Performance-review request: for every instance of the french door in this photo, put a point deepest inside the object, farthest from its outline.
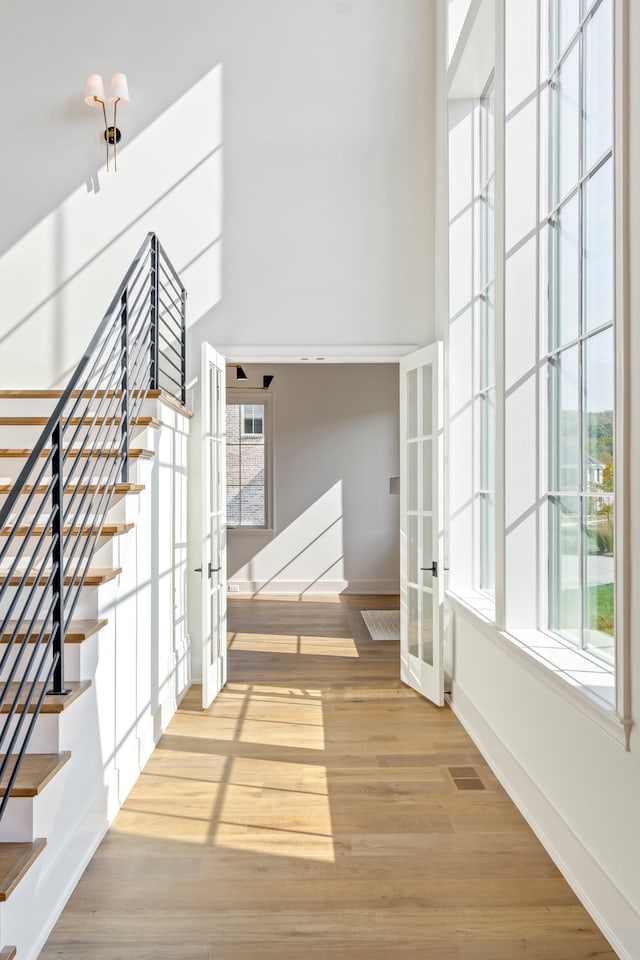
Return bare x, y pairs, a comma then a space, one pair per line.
213, 569
421, 527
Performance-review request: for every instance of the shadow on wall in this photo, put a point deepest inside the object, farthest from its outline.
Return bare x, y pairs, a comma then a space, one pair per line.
310, 549
59, 278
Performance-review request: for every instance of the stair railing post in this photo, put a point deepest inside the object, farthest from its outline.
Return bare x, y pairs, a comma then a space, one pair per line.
124, 386
155, 312
183, 346
57, 505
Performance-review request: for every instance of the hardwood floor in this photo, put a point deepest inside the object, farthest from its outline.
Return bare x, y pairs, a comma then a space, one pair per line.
319, 809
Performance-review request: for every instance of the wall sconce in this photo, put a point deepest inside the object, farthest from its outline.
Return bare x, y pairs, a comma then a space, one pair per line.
241, 375
118, 93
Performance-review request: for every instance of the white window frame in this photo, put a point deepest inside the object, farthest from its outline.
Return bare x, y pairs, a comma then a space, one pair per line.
484, 379
519, 626
558, 348
239, 397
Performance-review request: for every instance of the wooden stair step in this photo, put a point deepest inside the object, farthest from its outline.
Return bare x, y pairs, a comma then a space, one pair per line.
78, 632
108, 530
15, 860
95, 577
36, 770
99, 394
51, 704
118, 488
76, 421
8, 953
135, 453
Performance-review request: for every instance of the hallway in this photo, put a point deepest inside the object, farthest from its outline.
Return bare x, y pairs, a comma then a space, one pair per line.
319, 808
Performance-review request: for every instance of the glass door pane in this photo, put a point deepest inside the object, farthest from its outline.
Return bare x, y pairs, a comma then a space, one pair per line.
422, 656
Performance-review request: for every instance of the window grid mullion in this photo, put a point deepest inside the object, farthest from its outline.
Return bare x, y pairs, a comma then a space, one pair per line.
581, 327
576, 188
556, 59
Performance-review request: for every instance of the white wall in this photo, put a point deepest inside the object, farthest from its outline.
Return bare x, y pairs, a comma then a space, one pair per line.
335, 446
573, 781
310, 122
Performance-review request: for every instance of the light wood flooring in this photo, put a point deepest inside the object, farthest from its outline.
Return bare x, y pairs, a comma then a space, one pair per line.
319, 809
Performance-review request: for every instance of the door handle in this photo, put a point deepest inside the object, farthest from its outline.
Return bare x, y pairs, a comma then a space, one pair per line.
433, 569
211, 569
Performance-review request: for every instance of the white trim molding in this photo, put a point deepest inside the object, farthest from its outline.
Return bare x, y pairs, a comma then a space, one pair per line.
614, 914
316, 353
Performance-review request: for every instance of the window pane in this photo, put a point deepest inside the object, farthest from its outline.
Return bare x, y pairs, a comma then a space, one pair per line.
565, 603
412, 403
427, 629
487, 339
487, 540
252, 505
246, 464
598, 247
427, 555
412, 626
598, 417
412, 476
598, 481
412, 549
598, 88
566, 423
233, 464
252, 418
565, 19
233, 505
427, 399
599, 593
487, 453
566, 285
566, 106
427, 475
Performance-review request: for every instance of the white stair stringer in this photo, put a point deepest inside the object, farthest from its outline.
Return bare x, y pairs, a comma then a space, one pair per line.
136, 673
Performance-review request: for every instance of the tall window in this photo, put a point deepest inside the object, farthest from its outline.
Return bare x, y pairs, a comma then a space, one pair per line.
581, 341
485, 392
246, 465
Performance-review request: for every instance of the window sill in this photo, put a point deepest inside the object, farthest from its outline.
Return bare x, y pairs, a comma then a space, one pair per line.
244, 530
577, 676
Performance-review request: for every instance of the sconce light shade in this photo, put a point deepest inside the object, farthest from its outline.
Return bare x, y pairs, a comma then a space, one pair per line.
266, 381
119, 89
95, 88
118, 93
240, 374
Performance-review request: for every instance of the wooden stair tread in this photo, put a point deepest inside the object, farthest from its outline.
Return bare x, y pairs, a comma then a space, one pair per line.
78, 632
36, 770
108, 530
50, 704
119, 488
8, 953
15, 860
135, 453
95, 577
56, 395
75, 421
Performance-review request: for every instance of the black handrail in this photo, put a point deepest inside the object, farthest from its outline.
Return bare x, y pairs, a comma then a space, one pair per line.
53, 516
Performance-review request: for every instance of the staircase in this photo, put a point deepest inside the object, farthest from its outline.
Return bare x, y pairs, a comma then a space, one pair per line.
93, 644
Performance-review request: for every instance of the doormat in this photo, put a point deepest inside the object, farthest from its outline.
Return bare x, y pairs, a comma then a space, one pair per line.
382, 624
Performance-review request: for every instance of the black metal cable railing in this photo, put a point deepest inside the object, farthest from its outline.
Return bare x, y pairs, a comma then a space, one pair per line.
51, 521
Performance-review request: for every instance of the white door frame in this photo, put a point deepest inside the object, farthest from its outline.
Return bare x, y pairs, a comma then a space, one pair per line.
213, 563
421, 522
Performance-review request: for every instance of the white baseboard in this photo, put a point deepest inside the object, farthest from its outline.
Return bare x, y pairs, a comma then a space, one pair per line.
607, 905
305, 588
41, 897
